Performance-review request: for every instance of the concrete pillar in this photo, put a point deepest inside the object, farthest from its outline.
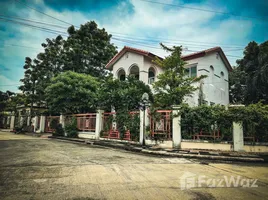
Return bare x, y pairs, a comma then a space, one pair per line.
176, 127
28, 120
62, 120
42, 124
238, 136
141, 126
35, 123
99, 124
12, 122
21, 120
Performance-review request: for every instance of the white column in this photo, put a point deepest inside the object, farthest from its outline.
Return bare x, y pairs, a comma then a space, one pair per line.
176, 127
99, 124
142, 126
29, 121
42, 124
62, 120
238, 136
35, 123
12, 122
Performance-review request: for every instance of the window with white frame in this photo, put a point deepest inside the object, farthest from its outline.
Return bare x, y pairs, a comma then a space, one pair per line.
192, 71
151, 75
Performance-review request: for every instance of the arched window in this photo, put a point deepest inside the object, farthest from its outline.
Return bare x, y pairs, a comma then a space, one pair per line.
222, 74
121, 75
211, 70
151, 75
135, 71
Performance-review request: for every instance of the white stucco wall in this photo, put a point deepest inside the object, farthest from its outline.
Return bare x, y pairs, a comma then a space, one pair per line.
129, 59
215, 87
126, 61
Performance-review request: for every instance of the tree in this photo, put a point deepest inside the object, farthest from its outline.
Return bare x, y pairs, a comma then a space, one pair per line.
71, 92
248, 82
86, 50
173, 84
122, 95
237, 83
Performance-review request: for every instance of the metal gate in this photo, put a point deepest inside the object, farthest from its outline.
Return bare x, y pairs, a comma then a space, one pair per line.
48, 127
110, 129
160, 124
86, 122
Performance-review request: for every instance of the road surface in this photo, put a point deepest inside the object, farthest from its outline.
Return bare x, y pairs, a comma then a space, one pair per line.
37, 168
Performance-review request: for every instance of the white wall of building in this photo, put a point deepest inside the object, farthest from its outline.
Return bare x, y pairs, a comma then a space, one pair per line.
215, 86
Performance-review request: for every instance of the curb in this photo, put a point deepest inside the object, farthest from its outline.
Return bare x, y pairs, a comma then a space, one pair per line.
161, 153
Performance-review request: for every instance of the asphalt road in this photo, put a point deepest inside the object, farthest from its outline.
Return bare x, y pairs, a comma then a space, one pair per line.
36, 168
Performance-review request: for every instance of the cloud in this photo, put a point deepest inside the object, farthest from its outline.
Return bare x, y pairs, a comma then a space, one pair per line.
8, 84
130, 20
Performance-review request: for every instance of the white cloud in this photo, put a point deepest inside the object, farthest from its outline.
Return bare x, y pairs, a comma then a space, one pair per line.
147, 20
8, 84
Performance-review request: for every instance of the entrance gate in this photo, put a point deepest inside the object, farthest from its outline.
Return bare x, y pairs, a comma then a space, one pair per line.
160, 124
48, 127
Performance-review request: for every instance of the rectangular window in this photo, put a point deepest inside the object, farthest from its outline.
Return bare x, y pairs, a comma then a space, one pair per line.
191, 71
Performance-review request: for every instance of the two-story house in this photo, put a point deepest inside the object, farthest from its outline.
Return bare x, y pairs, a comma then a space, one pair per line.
211, 62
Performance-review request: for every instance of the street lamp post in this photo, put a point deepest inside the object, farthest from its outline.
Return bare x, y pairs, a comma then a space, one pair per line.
144, 103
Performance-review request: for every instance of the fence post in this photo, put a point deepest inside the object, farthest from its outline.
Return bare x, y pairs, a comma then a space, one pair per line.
35, 123
12, 122
99, 124
141, 126
176, 127
62, 120
42, 124
238, 136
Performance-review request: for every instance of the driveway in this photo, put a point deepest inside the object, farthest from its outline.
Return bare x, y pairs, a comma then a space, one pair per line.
39, 168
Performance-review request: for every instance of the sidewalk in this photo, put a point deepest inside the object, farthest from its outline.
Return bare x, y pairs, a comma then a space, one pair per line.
194, 154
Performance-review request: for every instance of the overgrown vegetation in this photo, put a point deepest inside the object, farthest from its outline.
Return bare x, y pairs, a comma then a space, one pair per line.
213, 118
71, 128
248, 81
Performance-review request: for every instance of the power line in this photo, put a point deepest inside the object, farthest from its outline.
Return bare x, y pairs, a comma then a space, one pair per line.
27, 5
16, 45
128, 36
36, 27
11, 85
201, 9
137, 42
32, 21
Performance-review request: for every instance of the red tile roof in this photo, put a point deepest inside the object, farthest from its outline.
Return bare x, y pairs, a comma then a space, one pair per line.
130, 49
207, 51
185, 58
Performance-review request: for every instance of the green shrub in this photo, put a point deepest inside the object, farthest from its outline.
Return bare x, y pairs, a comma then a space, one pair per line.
59, 131
53, 123
210, 118
71, 128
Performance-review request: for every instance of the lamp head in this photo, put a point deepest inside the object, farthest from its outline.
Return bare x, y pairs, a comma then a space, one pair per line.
145, 97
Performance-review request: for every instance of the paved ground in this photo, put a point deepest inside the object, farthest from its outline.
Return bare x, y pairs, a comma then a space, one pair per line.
35, 168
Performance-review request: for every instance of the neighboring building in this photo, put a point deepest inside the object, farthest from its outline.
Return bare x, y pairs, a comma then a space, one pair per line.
211, 62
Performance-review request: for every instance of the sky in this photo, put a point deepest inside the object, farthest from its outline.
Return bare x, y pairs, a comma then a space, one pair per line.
194, 24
